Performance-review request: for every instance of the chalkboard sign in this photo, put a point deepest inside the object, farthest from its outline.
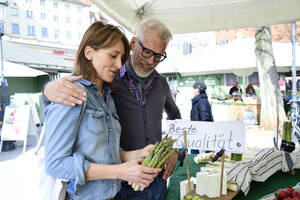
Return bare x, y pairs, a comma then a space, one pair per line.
210, 136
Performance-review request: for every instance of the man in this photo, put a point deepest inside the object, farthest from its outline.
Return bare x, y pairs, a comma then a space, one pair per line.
235, 89
201, 110
141, 96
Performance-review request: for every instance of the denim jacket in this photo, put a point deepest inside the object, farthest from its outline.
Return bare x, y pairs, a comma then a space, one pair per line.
68, 152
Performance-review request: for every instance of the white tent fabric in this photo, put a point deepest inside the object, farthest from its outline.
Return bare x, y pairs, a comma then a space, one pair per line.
19, 70
236, 57
185, 16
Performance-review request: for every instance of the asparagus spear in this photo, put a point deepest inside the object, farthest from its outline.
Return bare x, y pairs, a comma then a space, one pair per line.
160, 152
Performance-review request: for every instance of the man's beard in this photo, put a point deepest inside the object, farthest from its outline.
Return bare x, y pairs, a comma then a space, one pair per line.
140, 72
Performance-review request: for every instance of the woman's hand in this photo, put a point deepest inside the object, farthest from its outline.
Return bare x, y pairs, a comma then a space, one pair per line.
140, 153
146, 150
133, 172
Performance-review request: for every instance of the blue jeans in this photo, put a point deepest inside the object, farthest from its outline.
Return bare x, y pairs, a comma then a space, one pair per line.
156, 191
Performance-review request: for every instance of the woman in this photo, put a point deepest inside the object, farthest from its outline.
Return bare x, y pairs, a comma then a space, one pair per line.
90, 157
250, 90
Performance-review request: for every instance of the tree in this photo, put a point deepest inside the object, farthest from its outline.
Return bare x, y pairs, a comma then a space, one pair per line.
272, 110
283, 32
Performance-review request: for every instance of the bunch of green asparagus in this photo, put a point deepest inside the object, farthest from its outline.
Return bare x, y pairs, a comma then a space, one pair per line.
286, 135
236, 156
157, 156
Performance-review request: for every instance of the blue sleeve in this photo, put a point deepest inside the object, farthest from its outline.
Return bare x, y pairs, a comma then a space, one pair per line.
45, 100
60, 160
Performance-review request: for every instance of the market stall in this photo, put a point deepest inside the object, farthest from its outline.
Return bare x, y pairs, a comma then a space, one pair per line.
230, 161
257, 189
246, 111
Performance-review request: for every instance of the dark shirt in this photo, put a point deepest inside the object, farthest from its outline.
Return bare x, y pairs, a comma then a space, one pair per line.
235, 89
141, 123
201, 110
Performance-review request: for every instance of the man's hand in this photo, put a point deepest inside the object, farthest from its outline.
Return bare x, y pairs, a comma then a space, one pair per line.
169, 164
65, 92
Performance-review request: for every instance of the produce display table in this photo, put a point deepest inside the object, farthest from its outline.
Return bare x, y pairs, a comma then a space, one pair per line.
257, 189
235, 112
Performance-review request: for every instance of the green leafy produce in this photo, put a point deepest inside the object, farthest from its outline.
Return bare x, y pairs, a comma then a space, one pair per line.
189, 197
287, 127
196, 198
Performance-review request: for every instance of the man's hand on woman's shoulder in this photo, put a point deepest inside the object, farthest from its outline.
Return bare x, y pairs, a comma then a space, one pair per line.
65, 92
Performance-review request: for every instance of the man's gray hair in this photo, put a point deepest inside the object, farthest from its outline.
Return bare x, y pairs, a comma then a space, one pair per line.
162, 31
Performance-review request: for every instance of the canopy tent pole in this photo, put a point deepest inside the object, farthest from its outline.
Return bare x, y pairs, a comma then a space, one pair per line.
294, 81
294, 107
244, 81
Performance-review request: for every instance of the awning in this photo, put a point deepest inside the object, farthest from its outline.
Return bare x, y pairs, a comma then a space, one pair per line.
236, 57
186, 16
20, 70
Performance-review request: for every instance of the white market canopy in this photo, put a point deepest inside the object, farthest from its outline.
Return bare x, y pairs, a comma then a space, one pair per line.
236, 57
186, 16
19, 70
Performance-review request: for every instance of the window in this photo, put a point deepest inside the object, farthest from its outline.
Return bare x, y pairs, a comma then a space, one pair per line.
28, 1
253, 78
31, 30
67, 7
223, 42
43, 16
230, 79
42, 2
68, 20
78, 21
14, 11
55, 5
187, 48
69, 35
44, 32
15, 28
79, 9
55, 18
29, 14
79, 35
56, 34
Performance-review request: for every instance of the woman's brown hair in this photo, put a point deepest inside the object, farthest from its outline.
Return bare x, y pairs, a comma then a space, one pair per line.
98, 36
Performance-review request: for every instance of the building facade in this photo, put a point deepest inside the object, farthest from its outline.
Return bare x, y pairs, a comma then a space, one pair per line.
51, 26
280, 33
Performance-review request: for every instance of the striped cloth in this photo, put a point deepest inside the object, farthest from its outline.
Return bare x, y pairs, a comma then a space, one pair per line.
296, 131
268, 161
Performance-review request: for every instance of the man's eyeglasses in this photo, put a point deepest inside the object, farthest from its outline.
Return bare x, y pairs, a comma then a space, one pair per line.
147, 53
